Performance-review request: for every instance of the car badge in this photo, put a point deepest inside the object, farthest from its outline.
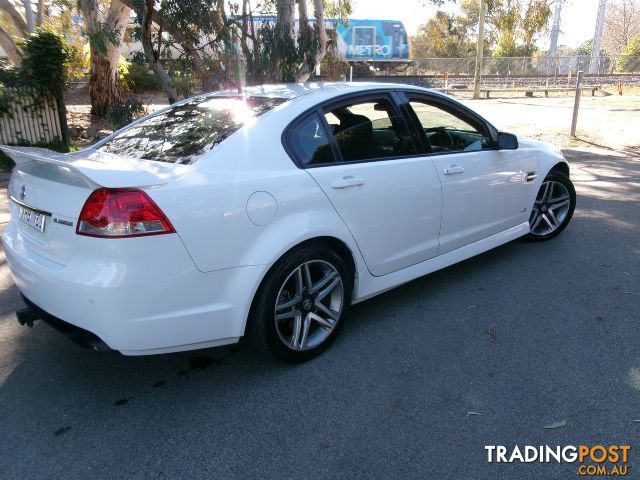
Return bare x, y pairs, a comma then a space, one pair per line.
23, 192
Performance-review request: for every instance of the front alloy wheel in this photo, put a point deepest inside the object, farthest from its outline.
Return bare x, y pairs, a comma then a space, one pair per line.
553, 207
299, 308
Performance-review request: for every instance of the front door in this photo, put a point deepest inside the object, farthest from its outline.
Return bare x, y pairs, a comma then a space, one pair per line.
482, 188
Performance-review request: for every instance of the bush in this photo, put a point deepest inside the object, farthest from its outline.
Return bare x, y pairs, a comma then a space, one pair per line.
629, 61
139, 79
6, 163
125, 113
184, 84
44, 61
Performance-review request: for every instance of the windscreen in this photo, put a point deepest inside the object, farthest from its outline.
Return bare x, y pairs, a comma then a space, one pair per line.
185, 132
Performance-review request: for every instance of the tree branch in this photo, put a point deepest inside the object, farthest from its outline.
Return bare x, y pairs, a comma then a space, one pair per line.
9, 47
8, 8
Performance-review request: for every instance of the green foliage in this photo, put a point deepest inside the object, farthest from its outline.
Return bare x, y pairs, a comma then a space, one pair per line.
56, 145
9, 75
6, 163
442, 36
138, 78
584, 49
279, 57
125, 113
513, 24
630, 59
63, 24
102, 36
44, 62
184, 82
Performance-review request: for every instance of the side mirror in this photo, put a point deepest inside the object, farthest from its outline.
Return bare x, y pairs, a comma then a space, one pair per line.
507, 141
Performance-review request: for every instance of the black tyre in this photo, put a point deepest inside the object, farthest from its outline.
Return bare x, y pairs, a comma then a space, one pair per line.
553, 207
301, 304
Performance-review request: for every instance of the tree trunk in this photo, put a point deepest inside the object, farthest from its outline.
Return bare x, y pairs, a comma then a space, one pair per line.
28, 13
104, 88
150, 54
305, 72
9, 47
206, 78
9, 9
40, 13
286, 18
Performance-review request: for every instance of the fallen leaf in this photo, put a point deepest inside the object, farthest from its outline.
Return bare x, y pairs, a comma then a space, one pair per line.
492, 333
560, 424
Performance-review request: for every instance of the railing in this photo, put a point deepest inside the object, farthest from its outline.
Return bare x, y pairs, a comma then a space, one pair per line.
31, 118
530, 66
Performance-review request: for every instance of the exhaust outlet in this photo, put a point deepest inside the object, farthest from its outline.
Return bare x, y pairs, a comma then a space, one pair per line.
27, 316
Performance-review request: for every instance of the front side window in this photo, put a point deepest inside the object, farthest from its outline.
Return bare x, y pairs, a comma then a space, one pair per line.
447, 132
369, 130
185, 132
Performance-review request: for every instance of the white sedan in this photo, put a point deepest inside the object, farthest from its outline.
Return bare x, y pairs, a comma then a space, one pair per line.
267, 214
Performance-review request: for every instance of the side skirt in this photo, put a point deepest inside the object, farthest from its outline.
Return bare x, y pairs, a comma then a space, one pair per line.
369, 286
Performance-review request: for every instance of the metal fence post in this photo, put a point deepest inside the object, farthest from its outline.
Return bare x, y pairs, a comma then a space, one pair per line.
576, 104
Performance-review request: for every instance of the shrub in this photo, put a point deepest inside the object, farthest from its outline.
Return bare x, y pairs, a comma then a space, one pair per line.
5, 162
184, 84
629, 60
139, 79
44, 61
125, 113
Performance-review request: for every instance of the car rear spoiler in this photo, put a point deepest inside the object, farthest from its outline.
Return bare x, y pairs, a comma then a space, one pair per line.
95, 168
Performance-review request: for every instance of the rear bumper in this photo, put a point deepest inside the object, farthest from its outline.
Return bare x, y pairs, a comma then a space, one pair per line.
138, 296
79, 336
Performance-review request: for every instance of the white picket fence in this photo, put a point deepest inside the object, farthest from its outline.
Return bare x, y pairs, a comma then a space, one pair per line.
31, 118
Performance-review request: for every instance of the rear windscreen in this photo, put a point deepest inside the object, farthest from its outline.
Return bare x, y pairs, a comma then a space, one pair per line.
185, 132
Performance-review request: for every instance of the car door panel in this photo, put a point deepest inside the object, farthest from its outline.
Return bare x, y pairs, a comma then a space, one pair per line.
482, 195
392, 208
482, 188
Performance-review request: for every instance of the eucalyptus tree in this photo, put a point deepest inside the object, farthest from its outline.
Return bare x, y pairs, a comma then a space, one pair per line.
17, 20
513, 23
105, 25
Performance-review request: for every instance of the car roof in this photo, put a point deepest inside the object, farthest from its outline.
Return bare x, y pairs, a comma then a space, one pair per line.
325, 90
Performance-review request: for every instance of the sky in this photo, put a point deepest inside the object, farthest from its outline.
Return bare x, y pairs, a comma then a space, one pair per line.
578, 17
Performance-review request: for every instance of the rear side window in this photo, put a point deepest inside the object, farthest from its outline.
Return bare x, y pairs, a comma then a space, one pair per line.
184, 133
369, 130
309, 142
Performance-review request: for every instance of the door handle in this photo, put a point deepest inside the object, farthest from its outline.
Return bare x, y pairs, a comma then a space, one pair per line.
347, 182
453, 169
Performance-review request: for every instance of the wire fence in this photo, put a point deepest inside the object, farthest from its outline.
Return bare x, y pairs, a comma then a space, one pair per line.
529, 66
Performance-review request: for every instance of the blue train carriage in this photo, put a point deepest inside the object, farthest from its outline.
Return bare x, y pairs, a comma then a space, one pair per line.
373, 41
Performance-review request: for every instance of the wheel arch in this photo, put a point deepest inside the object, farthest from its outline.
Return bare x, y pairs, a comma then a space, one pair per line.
562, 167
334, 243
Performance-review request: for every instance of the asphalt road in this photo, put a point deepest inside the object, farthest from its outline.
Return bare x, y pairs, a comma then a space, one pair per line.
486, 352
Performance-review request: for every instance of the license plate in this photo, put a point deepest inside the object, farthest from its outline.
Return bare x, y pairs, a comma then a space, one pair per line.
32, 218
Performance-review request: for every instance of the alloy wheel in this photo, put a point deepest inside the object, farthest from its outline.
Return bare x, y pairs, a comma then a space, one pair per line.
550, 208
309, 305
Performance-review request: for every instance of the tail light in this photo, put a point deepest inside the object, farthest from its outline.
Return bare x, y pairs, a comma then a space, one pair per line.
121, 212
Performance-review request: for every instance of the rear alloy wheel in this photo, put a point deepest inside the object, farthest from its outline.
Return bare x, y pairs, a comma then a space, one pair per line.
553, 207
301, 304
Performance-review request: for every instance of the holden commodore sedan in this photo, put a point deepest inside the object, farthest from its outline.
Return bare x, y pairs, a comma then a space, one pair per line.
267, 214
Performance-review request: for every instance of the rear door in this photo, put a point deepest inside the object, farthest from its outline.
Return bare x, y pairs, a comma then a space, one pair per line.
361, 155
482, 188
